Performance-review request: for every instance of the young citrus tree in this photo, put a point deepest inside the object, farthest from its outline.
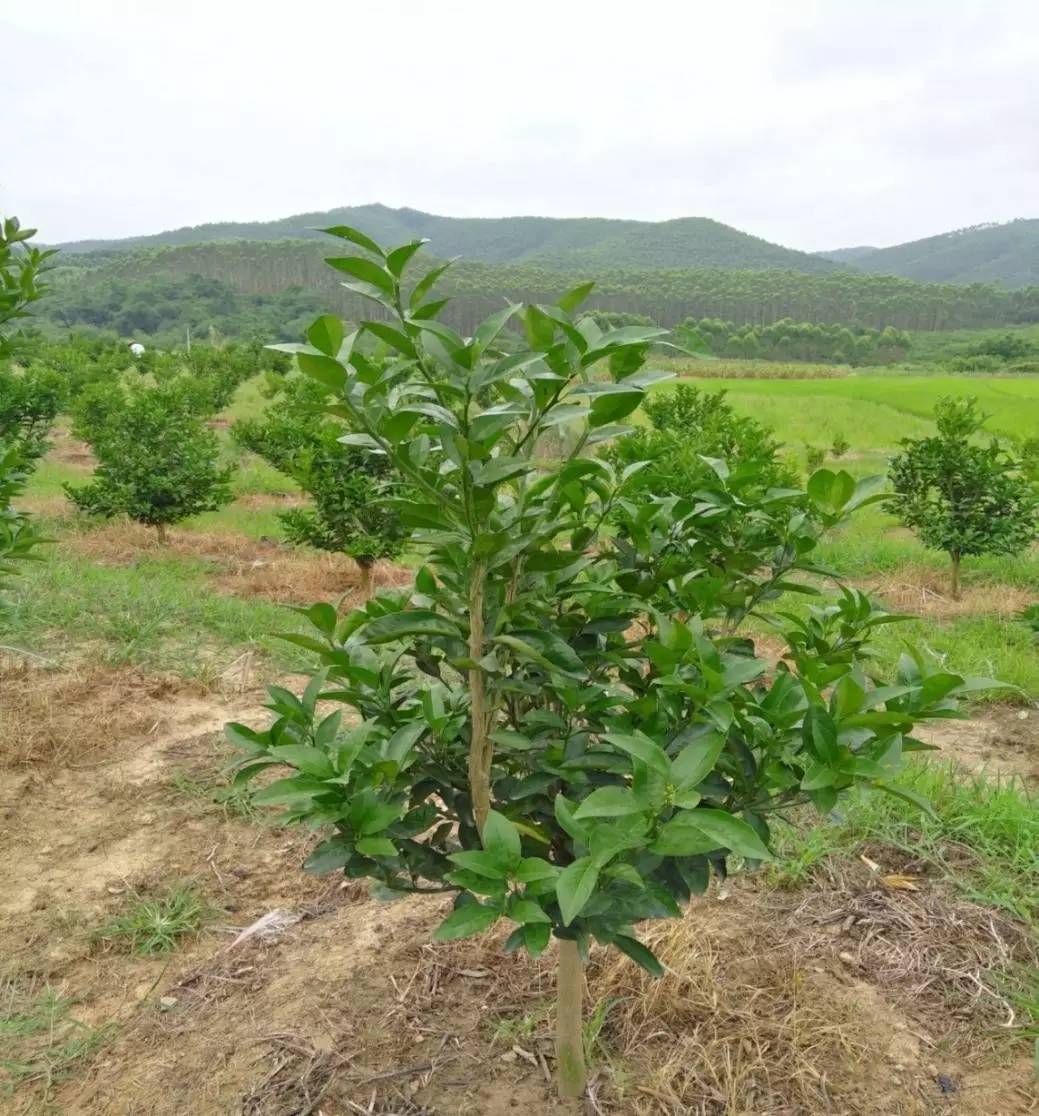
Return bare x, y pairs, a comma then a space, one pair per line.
347, 484
22, 413
961, 496
157, 461
534, 727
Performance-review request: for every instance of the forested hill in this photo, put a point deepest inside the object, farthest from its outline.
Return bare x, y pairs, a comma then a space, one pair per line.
1007, 253
119, 295
568, 243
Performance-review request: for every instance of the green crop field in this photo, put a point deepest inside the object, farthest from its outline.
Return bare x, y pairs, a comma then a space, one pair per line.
873, 412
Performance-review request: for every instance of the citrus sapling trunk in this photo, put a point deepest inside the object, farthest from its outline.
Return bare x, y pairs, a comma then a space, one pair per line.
570, 1065
366, 568
160, 531
480, 746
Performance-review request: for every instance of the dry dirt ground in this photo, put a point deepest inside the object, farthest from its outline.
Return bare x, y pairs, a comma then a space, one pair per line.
854, 998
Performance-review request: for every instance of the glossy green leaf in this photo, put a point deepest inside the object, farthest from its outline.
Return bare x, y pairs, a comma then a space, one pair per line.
575, 886
466, 920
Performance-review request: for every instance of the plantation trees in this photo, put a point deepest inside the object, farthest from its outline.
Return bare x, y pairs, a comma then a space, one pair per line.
348, 484
157, 461
535, 727
961, 496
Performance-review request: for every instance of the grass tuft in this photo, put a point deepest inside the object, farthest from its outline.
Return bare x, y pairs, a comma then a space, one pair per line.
153, 927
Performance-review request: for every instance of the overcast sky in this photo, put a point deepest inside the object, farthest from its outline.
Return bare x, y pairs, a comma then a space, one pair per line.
814, 123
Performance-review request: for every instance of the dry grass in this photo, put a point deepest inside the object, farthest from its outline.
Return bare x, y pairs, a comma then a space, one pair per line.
73, 717
738, 1024
924, 592
860, 998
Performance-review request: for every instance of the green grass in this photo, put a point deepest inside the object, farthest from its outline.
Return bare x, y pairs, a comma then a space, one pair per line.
874, 411
982, 837
39, 1042
160, 614
232, 800
154, 927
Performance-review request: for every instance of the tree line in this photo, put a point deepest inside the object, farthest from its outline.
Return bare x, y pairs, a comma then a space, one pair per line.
667, 296
789, 340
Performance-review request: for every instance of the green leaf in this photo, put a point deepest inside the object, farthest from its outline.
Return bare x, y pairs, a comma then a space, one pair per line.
696, 761
610, 802
681, 836
565, 816
326, 334
526, 910
365, 270
725, 830
397, 260
613, 406
642, 748
287, 792
533, 868
466, 920
410, 622
481, 862
639, 953
328, 856
311, 761
820, 736
376, 846
536, 936
830, 491
355, 236
573, 298
392, 337
425, 284
575, 886
501, 839
323, 369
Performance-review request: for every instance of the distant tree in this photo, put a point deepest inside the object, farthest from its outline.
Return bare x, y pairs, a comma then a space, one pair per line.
962, 496
347, 484
158, 462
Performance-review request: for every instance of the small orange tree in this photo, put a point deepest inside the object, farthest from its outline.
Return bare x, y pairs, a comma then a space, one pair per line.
547, 724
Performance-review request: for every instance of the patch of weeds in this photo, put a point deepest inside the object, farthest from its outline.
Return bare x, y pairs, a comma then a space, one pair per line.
234, 801
39, 1043
982, 836
151, 927
514, 1028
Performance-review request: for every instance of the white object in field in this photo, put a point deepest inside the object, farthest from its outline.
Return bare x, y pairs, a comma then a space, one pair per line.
136, 348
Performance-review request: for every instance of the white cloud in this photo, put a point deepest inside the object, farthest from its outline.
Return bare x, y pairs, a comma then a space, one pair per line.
812, 122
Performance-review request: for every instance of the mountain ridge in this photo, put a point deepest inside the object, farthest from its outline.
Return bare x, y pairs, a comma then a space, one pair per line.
569, 243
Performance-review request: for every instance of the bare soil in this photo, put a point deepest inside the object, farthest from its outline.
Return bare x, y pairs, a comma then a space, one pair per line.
1000, 740
775, 1003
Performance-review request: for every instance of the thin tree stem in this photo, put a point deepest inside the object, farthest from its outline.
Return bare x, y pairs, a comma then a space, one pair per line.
570, 1067
480, 747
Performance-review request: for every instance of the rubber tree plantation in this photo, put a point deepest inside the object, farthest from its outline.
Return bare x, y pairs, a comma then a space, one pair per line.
540, 726
961, 496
